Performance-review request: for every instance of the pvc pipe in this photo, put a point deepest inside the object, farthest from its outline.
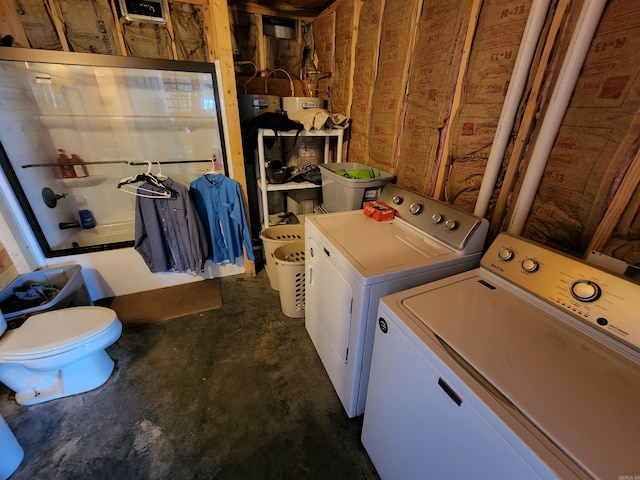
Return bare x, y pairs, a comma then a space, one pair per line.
574, 59
521, 71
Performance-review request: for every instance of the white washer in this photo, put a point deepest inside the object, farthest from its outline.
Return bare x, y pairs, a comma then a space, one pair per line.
526, 367
352, 260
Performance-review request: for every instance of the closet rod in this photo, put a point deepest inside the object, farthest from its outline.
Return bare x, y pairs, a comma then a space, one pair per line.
123, 162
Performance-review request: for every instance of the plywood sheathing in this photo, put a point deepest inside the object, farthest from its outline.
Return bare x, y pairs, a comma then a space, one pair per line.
433, 71
597, 132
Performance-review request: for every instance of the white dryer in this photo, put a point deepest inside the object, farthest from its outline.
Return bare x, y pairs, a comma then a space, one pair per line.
352, 260
527, 367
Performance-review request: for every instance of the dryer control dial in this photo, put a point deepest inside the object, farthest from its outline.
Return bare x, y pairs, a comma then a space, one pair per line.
451, 224
530, 265
437, 218
397, 199
505, 254
415, 208
585, 290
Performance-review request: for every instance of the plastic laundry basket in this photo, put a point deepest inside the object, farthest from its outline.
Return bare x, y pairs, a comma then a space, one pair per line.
274, 237
289, 264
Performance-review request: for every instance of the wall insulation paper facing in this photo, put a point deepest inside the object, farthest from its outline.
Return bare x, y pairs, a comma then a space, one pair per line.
433, 71
493, 54
398, 29
147, 40
341, 78
38, 26
596, 137
188, 27
365, 59
89, 26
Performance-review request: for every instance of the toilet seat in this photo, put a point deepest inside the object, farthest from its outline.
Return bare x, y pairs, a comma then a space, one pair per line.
54, 332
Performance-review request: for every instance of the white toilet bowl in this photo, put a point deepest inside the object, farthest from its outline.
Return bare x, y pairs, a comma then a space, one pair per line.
11, 453
58, 353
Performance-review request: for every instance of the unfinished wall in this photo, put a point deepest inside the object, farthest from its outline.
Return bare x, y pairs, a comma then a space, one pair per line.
408, 117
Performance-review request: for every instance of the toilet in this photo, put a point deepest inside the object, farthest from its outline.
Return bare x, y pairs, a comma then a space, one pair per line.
58, 353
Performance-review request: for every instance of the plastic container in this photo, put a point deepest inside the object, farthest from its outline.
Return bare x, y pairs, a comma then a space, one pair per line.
341, 193
69, 281
289, 263
65, 169
11, 453
274, 237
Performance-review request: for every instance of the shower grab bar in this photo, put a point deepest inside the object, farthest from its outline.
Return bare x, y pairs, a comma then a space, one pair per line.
108, 162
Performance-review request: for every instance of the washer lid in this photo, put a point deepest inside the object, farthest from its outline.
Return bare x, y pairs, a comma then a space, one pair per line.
54, 332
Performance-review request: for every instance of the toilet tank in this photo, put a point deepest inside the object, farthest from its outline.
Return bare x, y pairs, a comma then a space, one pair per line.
67, 279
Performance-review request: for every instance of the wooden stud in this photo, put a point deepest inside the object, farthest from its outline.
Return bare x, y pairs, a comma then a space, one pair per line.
172, 36
218, 33
119, 34
445, 161
10, 24
56, 15
614, 212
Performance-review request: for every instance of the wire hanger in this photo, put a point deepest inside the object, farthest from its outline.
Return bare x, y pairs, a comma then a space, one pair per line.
159, 175
126, 185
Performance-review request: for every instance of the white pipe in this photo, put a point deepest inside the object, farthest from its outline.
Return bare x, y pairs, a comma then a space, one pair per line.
565, 85
521, 71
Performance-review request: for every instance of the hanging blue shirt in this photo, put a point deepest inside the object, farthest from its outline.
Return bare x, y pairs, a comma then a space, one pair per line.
218, 201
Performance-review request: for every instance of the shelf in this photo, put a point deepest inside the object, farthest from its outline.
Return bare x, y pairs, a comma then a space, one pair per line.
281, 187
265, 187
88, 181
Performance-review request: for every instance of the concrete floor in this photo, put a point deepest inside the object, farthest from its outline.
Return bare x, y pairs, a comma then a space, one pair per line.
233, 393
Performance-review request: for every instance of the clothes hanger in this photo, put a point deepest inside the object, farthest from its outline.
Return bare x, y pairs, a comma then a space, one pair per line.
145, 192
164, 192
159, 175
213, 167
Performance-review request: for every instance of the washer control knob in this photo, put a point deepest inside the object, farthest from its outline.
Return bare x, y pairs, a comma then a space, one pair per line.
585, 290
437, 218
415, 208
530, 265
451, 224
397, 199
505, 254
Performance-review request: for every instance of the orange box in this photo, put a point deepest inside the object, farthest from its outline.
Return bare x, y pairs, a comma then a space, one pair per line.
379, 211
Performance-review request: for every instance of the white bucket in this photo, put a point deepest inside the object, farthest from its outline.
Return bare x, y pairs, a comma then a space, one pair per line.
295, 104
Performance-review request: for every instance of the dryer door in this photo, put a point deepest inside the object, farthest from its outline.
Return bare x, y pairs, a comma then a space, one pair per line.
329, 299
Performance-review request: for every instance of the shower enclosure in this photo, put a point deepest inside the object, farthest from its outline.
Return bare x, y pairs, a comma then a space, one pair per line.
74, 126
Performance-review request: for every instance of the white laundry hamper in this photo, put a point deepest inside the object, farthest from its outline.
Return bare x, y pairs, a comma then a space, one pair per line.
289, 264
274, 237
